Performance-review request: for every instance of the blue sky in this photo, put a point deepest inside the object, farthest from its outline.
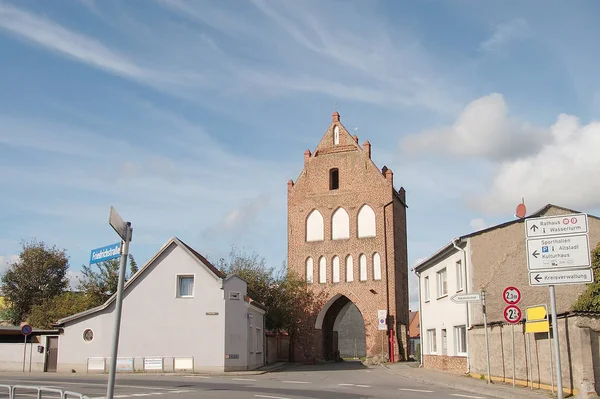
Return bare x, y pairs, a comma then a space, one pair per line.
191, 116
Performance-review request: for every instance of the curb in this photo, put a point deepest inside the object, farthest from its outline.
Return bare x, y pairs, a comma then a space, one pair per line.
484, 390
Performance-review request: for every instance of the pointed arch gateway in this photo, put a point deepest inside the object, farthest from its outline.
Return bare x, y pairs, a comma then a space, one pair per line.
343, 329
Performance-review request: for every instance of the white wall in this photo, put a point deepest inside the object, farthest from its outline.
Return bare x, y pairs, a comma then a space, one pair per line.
256, 346
442, 313
236, 332
11, 356
154, 321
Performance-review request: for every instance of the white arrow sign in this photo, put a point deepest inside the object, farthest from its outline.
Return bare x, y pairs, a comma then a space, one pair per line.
556, 225
561, 277
566, 252
462, 298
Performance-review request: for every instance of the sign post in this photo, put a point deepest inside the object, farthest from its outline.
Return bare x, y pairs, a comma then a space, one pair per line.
25, 330
512, 296
558, 253
487, 343
124, 231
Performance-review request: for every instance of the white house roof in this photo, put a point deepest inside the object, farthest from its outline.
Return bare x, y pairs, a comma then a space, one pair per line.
174, 240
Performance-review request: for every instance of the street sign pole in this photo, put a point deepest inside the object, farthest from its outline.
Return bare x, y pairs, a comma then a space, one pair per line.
487, 345
559, 383
125, 231
513, 352
25, 330
24, 352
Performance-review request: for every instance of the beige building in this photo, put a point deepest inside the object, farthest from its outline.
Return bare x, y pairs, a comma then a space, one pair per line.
490, 260
347, 236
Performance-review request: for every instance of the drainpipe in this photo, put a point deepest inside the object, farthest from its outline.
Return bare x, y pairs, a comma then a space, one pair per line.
387, 286
420, 317
454, 241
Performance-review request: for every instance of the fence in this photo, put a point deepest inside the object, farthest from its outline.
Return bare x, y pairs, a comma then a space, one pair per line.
40, 390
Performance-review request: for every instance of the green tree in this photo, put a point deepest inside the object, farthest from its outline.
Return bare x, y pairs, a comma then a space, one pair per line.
58, 307
100, 285
590, 299
39, 273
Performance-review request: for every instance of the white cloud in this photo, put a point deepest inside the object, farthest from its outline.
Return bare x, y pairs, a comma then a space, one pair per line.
483, 130
478, 224
564, 171
505, 33
6, 262
240, 218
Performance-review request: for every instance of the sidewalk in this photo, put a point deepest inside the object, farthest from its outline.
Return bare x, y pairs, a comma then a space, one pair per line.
465, 383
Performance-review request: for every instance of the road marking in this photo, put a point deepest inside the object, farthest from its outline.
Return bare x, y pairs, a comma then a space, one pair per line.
196, 376
243, 379
414, 390
466, 396
270, 397
141, 394
182, 391
296, 382
363, 386
346, 385
155, 393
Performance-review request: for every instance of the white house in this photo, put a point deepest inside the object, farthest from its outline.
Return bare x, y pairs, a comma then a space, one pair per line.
179, 313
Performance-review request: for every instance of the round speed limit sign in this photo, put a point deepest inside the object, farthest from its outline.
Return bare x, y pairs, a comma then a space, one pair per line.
512, 314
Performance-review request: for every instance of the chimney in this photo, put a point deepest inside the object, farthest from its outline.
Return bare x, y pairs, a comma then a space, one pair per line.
307, 155
335, 117
355, 137
367, 147
389, 175
290, 184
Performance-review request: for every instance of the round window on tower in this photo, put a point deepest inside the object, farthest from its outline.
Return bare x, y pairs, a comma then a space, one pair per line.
88, 335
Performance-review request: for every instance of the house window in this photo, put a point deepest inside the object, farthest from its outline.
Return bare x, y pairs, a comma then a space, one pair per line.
235, 296
340, 225
376, 266
322, 270
185, 286
334, 179
444, 342
366, 222
259, 340
460, 340
362, 263
309, 270
315, 226
459, 276
431, 341
336, 135
336, 269
88, 335
349, 268
426, 288
442, 283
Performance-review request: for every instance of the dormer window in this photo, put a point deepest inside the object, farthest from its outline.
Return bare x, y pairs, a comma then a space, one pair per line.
336, 135
334, 179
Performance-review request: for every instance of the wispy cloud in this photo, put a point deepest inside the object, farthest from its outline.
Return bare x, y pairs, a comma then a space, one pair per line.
505, 33
6, 262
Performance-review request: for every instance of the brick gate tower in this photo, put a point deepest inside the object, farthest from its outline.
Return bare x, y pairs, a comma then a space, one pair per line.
347, 237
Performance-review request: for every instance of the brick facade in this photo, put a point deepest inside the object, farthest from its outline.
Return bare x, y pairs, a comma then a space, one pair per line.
453, 364
360, 183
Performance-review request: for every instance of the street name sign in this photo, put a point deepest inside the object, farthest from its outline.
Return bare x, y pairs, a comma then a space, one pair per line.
512, 314
117, 223
561, 277
511, 295
560, 252
556, 225
108, 252
463, 298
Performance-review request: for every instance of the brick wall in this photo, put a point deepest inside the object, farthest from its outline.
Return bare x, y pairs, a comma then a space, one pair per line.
453, 364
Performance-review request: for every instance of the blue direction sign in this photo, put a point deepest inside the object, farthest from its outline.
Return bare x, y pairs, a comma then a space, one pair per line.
105, 253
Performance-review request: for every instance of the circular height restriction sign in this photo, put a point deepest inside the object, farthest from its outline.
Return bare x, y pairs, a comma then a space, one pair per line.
512, 314
511, 295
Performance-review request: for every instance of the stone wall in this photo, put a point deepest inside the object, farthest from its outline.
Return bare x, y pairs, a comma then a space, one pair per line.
453, 364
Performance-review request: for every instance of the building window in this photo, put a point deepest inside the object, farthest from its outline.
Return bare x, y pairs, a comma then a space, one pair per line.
322, 270
315, 226
349, 268
336, 269
334, 179
185, 286
459, 276
376, 266
432, 341
88, 335
336, 135
340, 225
362, 263
259, 340
460, 339
309, 270
426, 288
234, 296
366, 222
444, 342
442, 283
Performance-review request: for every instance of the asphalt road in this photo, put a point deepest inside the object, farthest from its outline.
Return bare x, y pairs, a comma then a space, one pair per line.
338, 381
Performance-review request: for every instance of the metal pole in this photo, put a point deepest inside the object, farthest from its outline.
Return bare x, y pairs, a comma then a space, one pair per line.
487, 345
30, 353
559, 383
24, 352
551, 362
118, 307
530, 365
514, 366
